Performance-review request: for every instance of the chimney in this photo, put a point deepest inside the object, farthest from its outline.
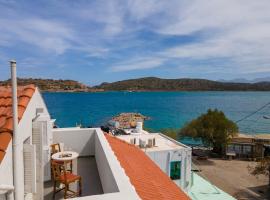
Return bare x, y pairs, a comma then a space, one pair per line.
16, 152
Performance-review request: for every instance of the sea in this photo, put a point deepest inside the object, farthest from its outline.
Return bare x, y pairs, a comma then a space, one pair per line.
165, 109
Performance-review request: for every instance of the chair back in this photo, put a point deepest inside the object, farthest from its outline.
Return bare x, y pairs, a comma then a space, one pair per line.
58, 169
55, 148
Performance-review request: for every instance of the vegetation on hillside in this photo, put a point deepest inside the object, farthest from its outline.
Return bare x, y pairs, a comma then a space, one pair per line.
143, 84
51, 85
214, 128
158, 84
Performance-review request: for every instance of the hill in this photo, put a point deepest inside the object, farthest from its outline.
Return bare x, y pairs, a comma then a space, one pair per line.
185, 84
52, 85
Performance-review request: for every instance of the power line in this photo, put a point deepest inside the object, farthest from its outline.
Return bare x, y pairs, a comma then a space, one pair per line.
249, 115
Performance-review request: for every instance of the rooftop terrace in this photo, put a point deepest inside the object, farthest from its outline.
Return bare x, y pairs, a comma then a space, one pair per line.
162, 143
102, 176
113, 169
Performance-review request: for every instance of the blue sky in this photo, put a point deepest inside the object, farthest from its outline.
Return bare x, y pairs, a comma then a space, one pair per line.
104, 41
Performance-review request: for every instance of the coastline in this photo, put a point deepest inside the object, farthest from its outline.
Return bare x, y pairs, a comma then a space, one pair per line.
138, 91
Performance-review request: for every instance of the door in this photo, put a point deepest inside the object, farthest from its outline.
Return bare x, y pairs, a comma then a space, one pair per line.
175, 170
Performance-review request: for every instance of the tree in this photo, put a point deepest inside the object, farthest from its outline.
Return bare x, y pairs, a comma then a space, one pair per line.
262, 167
170, 132
214, 129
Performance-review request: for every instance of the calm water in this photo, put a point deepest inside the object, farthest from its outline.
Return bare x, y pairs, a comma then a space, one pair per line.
166, 109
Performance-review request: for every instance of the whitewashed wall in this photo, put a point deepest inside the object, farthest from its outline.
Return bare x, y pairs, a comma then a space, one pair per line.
105, 172
163, 159
24, 132
79, 140
6, 173
25, 129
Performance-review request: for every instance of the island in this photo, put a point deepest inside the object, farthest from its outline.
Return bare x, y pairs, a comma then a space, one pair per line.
142, 84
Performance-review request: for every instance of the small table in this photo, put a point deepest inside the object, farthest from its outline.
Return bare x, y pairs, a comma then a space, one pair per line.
72, 156
59, 156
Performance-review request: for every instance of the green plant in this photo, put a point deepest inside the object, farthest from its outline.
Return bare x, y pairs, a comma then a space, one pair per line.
213, 127
171, 132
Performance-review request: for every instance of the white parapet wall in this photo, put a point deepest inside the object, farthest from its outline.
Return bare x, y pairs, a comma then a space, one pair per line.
80, 140
92, 142
163, 159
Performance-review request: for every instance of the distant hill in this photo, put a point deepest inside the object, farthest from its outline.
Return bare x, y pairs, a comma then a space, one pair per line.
143, 84
185, 84
52, 85
243, 80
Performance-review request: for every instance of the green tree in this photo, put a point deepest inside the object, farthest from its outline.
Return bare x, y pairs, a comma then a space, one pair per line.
213, 127
171, 132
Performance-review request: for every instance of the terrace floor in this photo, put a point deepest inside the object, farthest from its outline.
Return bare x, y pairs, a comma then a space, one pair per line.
91, 185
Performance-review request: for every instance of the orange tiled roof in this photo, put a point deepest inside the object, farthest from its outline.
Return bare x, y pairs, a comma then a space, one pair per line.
24, 95
148, 179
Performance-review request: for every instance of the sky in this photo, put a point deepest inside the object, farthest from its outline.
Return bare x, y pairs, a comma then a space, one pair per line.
104, 41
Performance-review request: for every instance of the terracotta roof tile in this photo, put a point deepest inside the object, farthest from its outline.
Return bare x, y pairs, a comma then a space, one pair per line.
2, 154
5, 137
148, 179
25, 93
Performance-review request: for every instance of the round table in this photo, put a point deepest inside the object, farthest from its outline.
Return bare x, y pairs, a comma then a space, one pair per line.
58, 156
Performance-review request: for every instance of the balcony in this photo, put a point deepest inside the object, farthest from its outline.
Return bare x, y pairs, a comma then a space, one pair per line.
91, 185
102, 175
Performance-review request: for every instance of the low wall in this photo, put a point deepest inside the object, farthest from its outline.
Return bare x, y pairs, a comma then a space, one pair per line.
107, 179
79, 140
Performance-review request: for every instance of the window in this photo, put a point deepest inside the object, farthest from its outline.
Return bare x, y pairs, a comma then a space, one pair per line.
230, 148
175, 172
246, 149
237, 148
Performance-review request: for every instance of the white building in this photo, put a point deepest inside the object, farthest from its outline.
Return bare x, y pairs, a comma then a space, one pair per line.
33, 117
110, 168
173, 158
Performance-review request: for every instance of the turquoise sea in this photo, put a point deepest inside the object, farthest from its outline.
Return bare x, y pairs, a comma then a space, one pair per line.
166, 109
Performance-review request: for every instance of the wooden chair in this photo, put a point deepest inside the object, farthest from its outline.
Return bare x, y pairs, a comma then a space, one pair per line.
61, 176
55, 148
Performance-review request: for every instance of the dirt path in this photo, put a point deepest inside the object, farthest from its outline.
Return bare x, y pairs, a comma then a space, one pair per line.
234, 178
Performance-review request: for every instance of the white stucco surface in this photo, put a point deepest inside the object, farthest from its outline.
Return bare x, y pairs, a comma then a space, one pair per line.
6, 173
91, 141
162, 143
165, 151
24, 132
79, 140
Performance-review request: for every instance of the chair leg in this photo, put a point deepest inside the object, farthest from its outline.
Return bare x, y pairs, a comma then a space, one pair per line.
80, 187
65, 194
71, 166
54, 189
